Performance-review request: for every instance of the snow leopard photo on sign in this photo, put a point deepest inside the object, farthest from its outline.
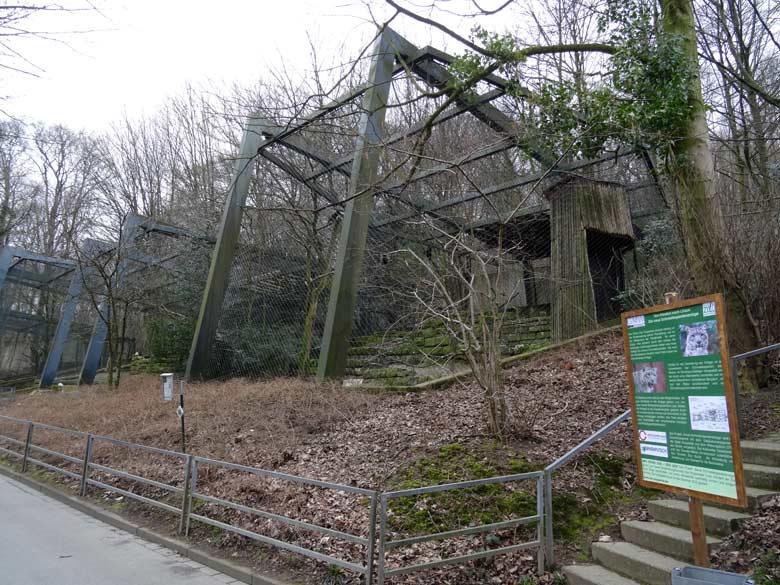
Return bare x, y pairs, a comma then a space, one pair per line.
649, 378
698, 339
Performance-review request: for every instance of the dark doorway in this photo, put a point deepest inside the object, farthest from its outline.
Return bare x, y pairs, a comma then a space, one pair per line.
605, 257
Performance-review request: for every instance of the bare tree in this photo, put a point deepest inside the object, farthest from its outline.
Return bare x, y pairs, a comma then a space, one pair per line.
65, 188
137, 164
15, 188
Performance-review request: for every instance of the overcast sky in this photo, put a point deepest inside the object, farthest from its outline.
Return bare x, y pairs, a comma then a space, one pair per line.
141, 51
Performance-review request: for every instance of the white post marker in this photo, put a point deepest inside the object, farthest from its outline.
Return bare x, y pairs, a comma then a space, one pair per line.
167, 386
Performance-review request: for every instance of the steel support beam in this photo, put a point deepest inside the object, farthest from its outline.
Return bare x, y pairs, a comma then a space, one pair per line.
438, 77
224, 250
35, 279
323, 192
557, 173
6, 257
357, 213
340, 163
150, 225
97, 340
35, 257
62, 332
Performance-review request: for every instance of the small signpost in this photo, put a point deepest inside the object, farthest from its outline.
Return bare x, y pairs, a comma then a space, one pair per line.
686, 434
167, 386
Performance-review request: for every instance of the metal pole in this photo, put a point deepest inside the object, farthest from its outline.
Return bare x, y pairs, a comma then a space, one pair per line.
85, 467
380, 574
181, 417
27, 444
357, 214
224, 250
371, 539
548, 520
6, 257
193, 485
186, 501
62, 332
735, 385
540, 524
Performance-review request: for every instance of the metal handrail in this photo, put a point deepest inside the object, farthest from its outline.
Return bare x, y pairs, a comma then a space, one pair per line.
137, 478
594, 438
549, 552
285, 476
366, 569
188, 491
136, 446
385, 544
755, 352
735, 376
443, 487
279, 518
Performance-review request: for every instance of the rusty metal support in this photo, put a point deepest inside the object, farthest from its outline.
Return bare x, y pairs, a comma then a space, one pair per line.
357, 213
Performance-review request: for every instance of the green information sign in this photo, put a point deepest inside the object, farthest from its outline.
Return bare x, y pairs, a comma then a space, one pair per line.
685, 424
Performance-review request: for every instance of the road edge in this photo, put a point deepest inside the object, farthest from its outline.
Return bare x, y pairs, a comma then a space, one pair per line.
238, 572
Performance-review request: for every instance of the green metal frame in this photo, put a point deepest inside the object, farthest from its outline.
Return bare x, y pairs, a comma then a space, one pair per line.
224, 251
391, 55
357, 214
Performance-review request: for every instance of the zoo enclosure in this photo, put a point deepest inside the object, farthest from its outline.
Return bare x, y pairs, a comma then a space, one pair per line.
300, 279
54, 312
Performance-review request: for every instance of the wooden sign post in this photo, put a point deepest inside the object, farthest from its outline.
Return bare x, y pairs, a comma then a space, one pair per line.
686, 436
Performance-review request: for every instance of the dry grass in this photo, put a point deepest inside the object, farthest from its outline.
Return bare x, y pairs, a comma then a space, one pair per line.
254, 423
346, 436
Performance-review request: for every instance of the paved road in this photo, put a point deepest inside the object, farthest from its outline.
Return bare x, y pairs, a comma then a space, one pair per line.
45, 542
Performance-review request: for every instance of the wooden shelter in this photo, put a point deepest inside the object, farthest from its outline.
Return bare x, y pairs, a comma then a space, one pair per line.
590, 231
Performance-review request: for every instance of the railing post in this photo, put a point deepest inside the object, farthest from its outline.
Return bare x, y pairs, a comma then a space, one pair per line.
186, 500
735, 384
27, 444
540, 524
371, 539
193, 484
548, 520
85, 467
380, 573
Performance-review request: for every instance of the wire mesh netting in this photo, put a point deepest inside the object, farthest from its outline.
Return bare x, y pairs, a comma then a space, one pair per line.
468, 227
31, 303
160, 283
145, 290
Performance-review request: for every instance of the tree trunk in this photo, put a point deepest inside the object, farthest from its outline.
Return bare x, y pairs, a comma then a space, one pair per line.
692, 173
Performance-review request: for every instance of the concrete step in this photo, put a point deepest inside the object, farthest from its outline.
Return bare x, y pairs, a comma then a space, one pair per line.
755, 497
717, 521
635, 562
762, 476
761, 453
662, 538
594, 575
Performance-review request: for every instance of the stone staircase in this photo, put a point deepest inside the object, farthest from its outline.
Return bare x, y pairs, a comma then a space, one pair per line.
650, 550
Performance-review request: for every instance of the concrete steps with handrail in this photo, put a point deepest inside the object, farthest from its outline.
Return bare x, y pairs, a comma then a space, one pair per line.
651, 549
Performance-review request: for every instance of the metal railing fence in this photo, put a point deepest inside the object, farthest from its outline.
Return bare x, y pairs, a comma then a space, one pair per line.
378, 502
385, 544
89, 466
549, 553
188, 490
366, 569
735, 359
